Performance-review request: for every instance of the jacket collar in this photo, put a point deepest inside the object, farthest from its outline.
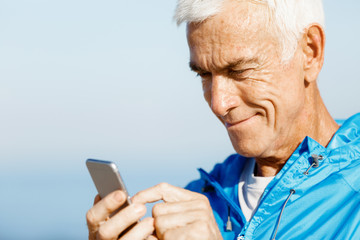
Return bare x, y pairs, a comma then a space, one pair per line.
225, 177
347, 133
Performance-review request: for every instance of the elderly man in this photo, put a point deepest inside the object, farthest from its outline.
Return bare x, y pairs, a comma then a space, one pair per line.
296, 174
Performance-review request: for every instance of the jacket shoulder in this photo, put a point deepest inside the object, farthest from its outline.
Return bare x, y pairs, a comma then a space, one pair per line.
350, 173
222, 173
345, 150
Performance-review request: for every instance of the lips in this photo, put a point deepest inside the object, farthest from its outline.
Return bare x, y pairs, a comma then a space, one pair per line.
233, 123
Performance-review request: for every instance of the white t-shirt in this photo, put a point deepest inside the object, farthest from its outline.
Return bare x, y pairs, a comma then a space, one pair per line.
251, 189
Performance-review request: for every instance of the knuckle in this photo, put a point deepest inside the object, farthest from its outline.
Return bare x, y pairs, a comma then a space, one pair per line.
132, 213
108, 201
110, 204
159, 222
157, 209
103, 234
90, 217
202, 197
202, 227
163, 185
202, 215
168, 235
204, 201
201, 202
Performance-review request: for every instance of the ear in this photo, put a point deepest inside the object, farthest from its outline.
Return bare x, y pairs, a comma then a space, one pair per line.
313, 50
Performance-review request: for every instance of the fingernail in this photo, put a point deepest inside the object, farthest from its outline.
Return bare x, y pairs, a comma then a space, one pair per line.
119, 197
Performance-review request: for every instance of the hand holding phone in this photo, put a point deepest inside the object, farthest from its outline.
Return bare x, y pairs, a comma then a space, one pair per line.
114, 217
106, 178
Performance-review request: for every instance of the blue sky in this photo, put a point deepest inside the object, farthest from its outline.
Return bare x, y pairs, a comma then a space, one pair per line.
110, 80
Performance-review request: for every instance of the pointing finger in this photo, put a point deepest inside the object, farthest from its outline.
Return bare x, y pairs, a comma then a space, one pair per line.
165, 192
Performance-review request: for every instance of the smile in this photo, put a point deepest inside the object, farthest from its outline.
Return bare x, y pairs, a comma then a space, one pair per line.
246, 120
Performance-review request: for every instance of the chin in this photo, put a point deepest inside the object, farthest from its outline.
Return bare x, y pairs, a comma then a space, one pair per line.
248, 150
248, 147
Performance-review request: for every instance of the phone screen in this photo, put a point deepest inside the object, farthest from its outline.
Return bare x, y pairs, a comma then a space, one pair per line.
106, 177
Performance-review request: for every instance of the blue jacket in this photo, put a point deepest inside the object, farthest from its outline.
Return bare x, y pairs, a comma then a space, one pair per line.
316, 202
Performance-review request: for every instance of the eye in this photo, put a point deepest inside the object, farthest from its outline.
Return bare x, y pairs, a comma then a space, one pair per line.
204, 74
240, 74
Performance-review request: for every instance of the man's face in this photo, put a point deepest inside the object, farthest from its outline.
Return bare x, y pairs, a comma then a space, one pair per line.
256, 97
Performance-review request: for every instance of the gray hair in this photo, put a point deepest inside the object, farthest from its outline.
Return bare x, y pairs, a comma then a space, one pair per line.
289, 18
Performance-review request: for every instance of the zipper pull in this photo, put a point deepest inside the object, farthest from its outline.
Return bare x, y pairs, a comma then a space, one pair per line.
240, 237
315, 162
228, 223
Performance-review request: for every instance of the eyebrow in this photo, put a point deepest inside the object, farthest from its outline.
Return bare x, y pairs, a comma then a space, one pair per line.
194, 67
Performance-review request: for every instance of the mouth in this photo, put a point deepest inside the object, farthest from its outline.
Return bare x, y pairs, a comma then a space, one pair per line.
236, 123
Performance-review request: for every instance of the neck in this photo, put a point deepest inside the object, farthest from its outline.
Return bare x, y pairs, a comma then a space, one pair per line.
315, 121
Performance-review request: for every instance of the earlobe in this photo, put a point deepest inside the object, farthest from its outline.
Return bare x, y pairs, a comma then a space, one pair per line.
313, 50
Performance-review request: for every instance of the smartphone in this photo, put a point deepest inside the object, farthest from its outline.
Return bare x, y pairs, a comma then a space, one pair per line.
107, 178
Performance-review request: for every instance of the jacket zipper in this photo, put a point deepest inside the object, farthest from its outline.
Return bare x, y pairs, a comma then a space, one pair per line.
241, 236
220, 191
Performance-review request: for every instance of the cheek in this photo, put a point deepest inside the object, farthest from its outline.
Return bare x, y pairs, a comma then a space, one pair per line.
293, 94
260, 95
292, 86
293, 103
280, 93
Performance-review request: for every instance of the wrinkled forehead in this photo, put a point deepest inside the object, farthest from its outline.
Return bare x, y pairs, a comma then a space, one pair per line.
244, 18
239, 25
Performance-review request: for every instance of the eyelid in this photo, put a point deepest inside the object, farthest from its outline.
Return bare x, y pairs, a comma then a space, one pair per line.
239, 72
203, 74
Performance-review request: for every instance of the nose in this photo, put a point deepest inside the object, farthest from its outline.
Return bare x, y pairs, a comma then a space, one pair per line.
224, 96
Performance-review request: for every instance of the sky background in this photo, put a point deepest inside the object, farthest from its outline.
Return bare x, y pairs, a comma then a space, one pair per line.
110, 80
